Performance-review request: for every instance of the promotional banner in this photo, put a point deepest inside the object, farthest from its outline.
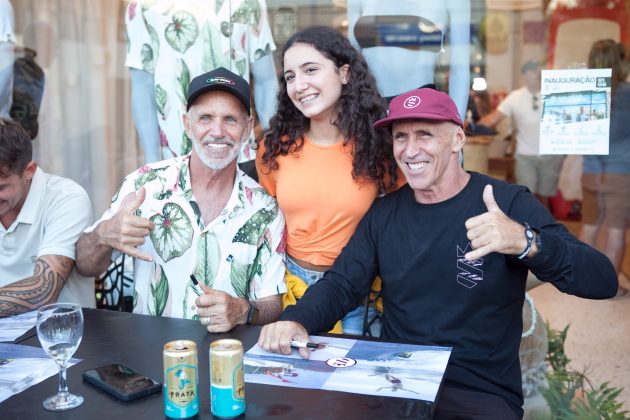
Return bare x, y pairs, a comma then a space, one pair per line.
576, 112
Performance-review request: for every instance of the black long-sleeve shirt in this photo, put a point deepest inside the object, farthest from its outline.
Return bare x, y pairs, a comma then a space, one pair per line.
432, 295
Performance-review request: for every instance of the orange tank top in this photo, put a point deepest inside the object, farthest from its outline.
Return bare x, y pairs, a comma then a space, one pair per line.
321, 202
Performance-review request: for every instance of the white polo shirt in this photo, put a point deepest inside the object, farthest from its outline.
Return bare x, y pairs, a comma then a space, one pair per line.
54, 214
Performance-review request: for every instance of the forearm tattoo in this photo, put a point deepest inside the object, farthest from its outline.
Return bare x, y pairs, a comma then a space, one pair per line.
33, 292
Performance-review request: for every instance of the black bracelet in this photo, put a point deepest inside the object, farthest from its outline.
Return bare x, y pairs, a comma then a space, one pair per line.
252, 314
529, 235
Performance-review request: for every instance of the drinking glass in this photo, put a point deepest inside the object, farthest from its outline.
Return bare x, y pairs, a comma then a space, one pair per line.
59, 329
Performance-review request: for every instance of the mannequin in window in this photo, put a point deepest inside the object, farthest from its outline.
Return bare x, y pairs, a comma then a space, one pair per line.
403, 61
7, 44
172, 41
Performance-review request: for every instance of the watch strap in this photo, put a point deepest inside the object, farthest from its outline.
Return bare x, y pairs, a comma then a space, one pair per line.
538, 239
252, 314
529, 236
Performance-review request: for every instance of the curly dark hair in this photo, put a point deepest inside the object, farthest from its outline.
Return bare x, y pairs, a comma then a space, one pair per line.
359, 106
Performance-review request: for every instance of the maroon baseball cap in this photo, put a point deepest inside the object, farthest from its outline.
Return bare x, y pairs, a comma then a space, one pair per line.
421, 104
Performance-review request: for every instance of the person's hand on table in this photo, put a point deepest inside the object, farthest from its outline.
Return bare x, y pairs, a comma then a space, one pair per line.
277, 337
219, 311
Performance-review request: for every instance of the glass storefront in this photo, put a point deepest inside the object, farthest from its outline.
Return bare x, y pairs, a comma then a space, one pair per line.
79, 104
75, 51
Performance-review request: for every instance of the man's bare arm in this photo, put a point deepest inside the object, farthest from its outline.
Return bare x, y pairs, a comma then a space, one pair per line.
493, 119
92, 258
124, 232
49, 276
269, 309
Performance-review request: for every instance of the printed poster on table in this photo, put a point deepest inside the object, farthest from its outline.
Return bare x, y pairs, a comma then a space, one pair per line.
24, 366
361, 367
576, 112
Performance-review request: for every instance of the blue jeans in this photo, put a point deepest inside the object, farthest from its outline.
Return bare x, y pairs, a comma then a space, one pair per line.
352, 323
144, 111
6, 78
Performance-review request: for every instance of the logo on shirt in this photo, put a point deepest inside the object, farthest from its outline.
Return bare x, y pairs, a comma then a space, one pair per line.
469, 273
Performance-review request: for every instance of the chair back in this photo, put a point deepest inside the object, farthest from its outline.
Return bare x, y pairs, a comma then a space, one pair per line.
111, 285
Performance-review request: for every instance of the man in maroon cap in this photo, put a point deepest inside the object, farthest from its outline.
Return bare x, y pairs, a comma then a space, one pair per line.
453, 249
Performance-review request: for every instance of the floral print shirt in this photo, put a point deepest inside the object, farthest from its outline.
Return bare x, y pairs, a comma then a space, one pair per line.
177, 40
241, 252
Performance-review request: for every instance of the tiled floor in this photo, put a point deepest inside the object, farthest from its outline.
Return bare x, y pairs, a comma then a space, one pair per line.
599, 335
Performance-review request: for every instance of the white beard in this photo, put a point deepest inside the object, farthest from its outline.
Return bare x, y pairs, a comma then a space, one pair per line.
216, 165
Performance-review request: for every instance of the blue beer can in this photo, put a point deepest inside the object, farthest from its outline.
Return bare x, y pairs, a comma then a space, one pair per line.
181, 381
227, 379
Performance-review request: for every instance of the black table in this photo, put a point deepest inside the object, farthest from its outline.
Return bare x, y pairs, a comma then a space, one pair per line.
137, 340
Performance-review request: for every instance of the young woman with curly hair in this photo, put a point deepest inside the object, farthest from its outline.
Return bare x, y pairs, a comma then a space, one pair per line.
322, 159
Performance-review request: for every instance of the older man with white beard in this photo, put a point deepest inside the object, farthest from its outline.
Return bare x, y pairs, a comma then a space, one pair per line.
204, 218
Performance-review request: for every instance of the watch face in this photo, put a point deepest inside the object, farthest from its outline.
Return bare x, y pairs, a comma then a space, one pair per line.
529, 234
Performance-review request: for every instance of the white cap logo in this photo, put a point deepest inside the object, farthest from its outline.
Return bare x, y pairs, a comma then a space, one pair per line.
411, 102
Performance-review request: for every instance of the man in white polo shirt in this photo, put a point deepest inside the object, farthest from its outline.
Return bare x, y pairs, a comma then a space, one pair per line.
41, 218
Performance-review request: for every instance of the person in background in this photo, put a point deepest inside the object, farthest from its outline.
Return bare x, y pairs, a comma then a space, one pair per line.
524, 108
7, 46
41, 218
453, 249
322, 159
198, 214
625, 64
606, 178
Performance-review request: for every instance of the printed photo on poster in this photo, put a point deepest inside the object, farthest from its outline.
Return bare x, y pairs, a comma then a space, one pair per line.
576, 112
363, 367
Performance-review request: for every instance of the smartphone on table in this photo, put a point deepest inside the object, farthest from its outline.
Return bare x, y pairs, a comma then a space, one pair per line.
121, 381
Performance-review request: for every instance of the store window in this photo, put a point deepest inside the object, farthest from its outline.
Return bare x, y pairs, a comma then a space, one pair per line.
75, 52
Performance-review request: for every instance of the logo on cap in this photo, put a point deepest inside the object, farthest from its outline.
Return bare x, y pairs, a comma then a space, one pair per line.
219, 79
411, 102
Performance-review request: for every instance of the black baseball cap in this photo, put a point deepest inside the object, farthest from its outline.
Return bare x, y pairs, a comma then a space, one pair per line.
219, 79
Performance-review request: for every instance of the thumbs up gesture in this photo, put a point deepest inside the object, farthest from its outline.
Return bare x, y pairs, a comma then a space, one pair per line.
126, 231
494, 231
